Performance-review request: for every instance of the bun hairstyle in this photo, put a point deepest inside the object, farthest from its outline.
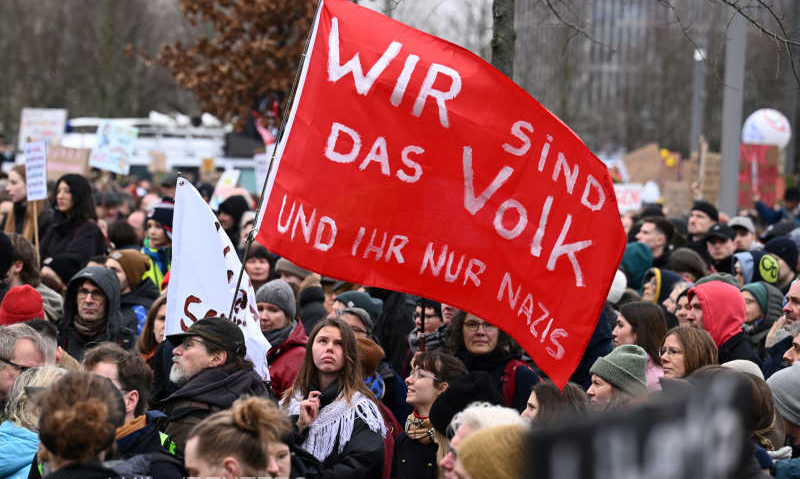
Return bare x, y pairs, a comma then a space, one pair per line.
243, 431
79, 416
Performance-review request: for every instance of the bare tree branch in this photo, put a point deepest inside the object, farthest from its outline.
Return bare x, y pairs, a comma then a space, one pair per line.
578, 29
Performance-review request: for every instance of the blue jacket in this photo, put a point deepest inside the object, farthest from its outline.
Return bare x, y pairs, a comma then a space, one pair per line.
17, 448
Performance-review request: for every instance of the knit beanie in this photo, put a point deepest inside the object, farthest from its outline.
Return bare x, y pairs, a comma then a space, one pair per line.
235, 206
162, 213
363, 315
744, 366
360, 299
784, 385
617, 287
134, 264
20, 304
706, 208
759, 291
724, 277
369, 355
625, 368
635, 261
757, 266
784, 248
285, 266
494, 453
6, 253
279, 293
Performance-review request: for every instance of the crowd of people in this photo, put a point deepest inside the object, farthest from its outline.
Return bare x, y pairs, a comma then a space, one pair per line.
364, 382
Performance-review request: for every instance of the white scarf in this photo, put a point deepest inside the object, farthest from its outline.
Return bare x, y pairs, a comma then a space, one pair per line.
337, 419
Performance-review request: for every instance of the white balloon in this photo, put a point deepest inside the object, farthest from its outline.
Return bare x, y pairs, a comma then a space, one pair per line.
767, 127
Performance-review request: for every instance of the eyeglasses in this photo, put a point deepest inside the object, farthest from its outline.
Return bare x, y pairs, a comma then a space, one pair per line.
473, 325
418, 374
187, 342
84, 293
427, 316
669, 351
14, 365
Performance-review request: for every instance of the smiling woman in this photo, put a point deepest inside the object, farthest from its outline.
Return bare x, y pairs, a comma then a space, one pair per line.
337, 418
17, 216
482, 346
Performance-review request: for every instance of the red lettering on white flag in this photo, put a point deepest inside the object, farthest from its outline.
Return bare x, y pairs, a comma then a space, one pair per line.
410, 164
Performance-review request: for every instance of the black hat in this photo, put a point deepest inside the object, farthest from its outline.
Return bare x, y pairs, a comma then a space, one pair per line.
784, 248
219, 331
706, 208
467, 389
720, 230
66, 265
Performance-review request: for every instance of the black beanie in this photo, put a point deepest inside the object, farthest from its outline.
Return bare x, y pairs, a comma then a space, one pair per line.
784, 248
706, 208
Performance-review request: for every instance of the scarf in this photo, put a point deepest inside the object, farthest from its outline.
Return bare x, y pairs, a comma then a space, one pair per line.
87, 330
335, 423
421, 429
276, 337
131, 426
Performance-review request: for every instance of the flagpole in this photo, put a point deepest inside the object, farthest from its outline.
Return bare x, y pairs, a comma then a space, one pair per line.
284, 118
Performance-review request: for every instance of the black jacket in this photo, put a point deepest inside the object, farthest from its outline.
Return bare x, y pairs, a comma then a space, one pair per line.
207, 392
142, 295
117, 330
84, 239
396, 321
83, 471
413, 460
738, 347
148, 441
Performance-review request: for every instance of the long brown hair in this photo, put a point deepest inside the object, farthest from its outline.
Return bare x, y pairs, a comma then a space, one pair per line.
11, 219
649, 323
350, 376
147, 340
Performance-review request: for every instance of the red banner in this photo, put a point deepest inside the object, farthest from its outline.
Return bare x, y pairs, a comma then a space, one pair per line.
410, 164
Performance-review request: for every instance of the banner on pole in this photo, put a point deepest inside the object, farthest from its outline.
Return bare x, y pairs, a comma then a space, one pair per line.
204, 273
409, 163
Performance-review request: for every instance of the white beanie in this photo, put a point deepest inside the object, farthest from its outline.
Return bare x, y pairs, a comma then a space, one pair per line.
617, 287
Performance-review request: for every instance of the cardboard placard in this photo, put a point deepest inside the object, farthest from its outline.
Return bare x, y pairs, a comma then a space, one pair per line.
62, 160
41, 124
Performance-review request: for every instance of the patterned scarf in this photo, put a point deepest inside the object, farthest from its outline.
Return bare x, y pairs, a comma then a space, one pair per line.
421, 429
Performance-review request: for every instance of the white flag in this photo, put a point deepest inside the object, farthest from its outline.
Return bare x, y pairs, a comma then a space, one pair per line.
203, 276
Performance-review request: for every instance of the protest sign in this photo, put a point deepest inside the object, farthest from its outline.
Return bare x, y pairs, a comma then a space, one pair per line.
114, 147
697, 430
45, 124
409, 163
62, 160
629, 196
36, 170
262, 165
204, 273
226, 183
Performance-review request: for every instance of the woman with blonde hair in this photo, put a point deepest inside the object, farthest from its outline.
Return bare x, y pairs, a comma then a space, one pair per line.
19, 437
17, 214
336, 415
248, 440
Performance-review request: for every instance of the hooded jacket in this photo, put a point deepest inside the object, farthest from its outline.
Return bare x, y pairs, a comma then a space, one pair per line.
724, 313
117, 330
770, 300
208, 391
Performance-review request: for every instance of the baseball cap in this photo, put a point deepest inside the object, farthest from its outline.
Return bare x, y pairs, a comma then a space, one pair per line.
720, 231
742, 222
219, 331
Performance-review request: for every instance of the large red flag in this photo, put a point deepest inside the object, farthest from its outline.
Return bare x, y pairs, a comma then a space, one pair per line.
409, 163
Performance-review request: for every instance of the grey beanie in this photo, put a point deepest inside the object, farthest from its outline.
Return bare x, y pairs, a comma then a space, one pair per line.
279, 293
283, 265
363, 315
784, 385
625, 368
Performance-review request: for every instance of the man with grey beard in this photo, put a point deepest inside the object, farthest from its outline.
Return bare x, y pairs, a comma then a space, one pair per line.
210, 369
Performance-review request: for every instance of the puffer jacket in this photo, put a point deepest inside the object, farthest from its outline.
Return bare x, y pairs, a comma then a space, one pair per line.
117, 330
724, 313
17, 448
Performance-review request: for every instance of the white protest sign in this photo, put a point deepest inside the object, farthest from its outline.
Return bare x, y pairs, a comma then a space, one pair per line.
36, 170
114, 147
41, 124
204, 273
226, 183
629, 196
261, 161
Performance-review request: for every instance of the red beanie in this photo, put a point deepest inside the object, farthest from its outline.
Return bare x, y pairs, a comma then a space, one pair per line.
21, 303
